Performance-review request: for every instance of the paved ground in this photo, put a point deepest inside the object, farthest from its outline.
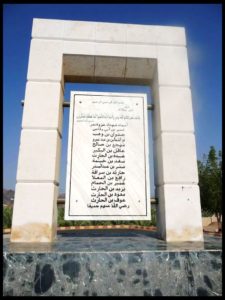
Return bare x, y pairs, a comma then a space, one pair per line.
111, 240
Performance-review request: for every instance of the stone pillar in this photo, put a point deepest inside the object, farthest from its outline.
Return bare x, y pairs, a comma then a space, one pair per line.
176, 177
36, 193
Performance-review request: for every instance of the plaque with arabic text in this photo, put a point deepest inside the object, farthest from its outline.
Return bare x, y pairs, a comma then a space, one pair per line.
108, 160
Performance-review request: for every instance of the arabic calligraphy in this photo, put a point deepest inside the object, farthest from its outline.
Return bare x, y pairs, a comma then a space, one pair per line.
108, 185
107, 163
102, 176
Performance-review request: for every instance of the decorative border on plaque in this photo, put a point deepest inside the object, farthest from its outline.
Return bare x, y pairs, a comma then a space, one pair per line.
144, 130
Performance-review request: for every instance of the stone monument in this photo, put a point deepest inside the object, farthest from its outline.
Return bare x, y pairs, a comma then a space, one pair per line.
107, 169
77, 51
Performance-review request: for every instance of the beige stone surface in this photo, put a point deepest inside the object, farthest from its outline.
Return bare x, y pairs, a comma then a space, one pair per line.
141, 50
173, 110
45, 60
78, 47
173, 66
46, 28
79, 65
90, 67
162, 35
79, 30
110, 32
43, 105
140, 68
35, 212
117, 66
182, 212
179, 161
115, 49
39, 155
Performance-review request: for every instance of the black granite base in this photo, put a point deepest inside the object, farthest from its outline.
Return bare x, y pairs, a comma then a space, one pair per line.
112, 263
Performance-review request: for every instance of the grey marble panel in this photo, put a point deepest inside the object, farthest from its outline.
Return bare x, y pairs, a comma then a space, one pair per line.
112, 263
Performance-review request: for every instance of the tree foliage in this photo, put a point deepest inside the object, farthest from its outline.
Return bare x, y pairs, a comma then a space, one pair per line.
62, 222
7, 220
210, 183
7, 217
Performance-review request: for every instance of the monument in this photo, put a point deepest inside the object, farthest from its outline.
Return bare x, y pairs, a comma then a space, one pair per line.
76, 51
107, 168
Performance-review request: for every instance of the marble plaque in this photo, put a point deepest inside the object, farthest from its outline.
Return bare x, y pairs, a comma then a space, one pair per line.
108, 160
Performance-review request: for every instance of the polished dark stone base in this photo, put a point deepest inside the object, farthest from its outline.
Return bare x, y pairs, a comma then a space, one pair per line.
113, 262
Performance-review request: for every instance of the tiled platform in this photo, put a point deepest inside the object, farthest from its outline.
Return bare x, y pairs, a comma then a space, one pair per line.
113, 262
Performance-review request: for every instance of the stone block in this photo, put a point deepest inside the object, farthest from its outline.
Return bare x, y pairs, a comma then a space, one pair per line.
79, 30
78, 65
110, 32
110, 49
173, 66
109, 66
43, 105
139, 50
63, 29
174, 110
180, 213
35, 212
39, 155
45, 60
178, 163
78, 47
140, 68
158, 35
45, 28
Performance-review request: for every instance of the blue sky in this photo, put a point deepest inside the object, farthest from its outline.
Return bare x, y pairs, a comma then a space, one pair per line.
203, 25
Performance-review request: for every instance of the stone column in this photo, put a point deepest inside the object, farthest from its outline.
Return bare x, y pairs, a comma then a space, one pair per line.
35, 204
176, 177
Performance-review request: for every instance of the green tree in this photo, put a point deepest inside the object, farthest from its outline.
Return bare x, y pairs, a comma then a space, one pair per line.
210, 183
7, 217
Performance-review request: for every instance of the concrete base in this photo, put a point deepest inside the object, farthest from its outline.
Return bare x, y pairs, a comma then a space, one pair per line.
116, 262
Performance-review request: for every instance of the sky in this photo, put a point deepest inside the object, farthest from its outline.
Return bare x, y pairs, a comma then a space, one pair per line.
203, 26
